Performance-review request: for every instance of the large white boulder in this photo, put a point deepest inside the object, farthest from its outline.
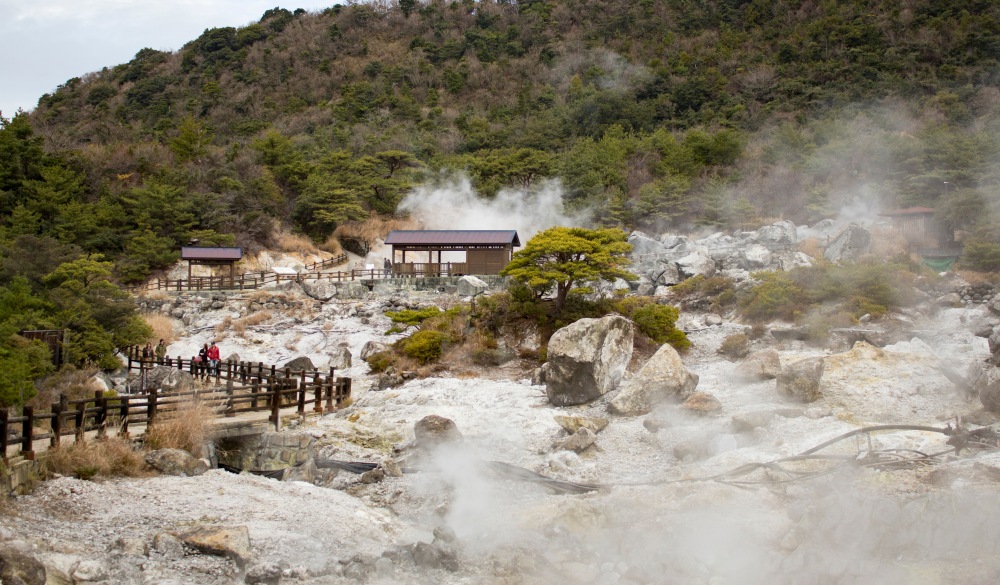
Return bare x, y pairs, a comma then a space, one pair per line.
587, 359
662, 378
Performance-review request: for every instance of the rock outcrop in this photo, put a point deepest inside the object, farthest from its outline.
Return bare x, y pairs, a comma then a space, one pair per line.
162, 378
587, 359
176, 462
759, 365
801, 380
340, 357
852, 243
470, 286
663, 377
300, 364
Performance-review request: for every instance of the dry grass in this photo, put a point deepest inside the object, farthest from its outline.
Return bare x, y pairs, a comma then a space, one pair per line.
239, 326
294, 243
155, 295
163, 327
111, 457
332, 245
973, 277
185, 428
811, 247
373, 228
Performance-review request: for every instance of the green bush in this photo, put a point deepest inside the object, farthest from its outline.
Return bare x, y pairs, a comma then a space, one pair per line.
655, 321
424, 346
735, 346
380, 361
777, 296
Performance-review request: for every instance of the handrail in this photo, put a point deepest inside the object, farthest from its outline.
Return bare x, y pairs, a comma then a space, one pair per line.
266, 389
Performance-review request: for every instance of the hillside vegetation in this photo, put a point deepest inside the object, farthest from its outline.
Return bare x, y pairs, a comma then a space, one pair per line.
651, 114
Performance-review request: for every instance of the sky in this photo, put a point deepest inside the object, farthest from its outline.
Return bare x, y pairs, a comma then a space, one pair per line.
43, 43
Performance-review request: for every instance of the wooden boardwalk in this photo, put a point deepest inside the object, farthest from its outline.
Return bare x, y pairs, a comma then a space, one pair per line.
238, 388
317, 271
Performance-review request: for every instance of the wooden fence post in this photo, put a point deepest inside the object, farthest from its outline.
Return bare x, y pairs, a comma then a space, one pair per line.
254, 392
27, 430
275, 403
80, 421
123, 406
301, 395
56, 423
3, 434
230, 408
102, 414
150, 408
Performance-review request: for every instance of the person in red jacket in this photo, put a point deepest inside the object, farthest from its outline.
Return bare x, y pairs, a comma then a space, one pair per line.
213, 359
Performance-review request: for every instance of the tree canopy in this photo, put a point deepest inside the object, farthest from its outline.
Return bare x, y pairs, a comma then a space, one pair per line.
564, 259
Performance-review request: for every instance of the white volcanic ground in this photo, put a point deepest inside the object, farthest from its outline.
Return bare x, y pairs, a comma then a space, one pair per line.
931, 524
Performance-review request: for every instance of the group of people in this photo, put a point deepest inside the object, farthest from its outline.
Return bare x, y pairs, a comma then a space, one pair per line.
208, 356
159, 352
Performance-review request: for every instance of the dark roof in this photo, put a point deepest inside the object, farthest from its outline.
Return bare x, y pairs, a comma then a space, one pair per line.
909, 211
452, 238
210, 253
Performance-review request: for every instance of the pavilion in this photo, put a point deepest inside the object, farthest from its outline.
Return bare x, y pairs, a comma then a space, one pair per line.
486, 251
212, 256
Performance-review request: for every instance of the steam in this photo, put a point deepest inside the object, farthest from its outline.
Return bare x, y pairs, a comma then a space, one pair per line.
452, 203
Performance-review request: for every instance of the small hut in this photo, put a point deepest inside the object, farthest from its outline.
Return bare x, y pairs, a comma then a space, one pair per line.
920, 229
212, 256
486, 251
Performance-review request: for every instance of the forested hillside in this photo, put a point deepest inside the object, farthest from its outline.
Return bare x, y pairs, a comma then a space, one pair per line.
652, 114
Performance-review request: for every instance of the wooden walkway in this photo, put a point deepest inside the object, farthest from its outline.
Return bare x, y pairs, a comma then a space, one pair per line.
317, 271
239, 388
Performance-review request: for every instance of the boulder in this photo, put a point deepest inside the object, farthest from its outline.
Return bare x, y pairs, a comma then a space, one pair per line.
227, 541
989, 395
759, 365
234, 358
587, 359
852, 243
176, 462
702, 403
470, 286
340, 357
578, 441
754, 257
574, 423
352, 290
433, 430
17, 568
300, 364
371, 348
642, 245
801, 380
699, 261
661, 378
321, 290
949, 300
163, 378
746, 422
778, 235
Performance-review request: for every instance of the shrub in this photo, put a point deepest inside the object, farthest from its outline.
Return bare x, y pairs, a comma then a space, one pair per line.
777, 296
735, 346
654, 320
111, 457
380, 361
424, 346
183, 428
413, 317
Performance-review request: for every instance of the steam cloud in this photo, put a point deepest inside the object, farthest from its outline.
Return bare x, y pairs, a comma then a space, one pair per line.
452, 203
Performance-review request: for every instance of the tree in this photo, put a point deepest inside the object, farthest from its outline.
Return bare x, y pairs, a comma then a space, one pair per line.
562, 258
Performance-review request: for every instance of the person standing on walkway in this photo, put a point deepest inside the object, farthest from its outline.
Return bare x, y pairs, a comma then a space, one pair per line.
203, 359
213, 359
161, 352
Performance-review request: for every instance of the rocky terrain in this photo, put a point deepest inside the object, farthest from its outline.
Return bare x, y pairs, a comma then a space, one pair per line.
654, 486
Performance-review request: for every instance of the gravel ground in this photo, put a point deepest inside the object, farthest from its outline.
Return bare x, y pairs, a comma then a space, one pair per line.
652, 523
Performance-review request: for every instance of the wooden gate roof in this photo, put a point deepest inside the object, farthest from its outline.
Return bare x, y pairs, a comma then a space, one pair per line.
452, 238
211, 253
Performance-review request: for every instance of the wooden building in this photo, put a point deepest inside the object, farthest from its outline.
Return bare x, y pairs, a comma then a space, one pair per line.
212, 256
486, 251
920, 229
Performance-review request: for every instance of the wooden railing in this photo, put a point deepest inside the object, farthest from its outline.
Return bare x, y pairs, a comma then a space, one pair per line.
246, 281
263, 388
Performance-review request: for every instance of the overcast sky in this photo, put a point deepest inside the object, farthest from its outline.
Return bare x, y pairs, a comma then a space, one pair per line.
43, 43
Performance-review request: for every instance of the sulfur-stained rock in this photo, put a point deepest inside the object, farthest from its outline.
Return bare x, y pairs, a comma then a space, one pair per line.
661, 378
587, 359
801, 380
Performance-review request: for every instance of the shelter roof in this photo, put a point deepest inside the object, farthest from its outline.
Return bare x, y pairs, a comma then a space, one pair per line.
909, 211
210, 253
452, 238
